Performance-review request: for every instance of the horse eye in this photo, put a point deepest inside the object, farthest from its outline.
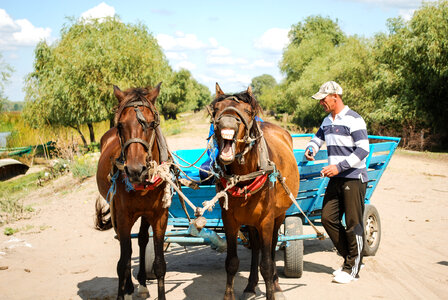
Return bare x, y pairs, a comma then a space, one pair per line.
248, 112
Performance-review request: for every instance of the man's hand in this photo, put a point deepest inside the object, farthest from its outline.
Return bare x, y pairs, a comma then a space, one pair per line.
329, 171
309, 154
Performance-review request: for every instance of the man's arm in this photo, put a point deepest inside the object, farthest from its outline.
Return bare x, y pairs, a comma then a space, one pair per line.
315, 144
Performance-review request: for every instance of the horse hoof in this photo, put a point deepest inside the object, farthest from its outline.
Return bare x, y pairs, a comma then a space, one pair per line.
279, 296
128, 297
247, 296
143, 291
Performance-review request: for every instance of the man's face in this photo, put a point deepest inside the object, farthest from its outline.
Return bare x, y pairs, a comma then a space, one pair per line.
328, 103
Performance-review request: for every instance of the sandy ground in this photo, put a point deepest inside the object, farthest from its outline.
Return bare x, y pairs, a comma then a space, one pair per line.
59, 255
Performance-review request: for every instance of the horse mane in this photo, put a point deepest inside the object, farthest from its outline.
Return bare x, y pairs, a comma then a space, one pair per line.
132, 94
245, 97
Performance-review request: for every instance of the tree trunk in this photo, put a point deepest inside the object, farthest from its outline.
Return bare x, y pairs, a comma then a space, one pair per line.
80, 132
92, 133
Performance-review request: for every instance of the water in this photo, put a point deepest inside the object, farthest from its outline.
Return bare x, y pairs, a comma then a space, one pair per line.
3, 136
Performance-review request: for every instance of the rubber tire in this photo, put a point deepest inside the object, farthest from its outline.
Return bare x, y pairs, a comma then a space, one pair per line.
294, 249
149, 258
372, 230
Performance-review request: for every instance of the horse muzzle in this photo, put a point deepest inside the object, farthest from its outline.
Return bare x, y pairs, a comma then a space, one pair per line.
137, 173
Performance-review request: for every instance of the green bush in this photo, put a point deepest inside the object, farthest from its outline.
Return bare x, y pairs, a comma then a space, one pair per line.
84, 166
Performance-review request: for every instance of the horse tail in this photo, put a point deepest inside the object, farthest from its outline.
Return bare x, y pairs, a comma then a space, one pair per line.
103, 220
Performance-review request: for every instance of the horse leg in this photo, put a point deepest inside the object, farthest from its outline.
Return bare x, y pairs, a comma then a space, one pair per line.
125, 286
232, 261
143, 238
266, 265
159, 229
249, 291
278, 292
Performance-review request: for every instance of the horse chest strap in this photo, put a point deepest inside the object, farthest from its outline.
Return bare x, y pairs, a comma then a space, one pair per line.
247, 190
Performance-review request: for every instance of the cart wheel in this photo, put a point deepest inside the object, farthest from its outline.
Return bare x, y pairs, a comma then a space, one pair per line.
372, 227
149, 259
294, 248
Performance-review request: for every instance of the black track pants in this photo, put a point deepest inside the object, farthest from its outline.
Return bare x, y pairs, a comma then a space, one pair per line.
345, 195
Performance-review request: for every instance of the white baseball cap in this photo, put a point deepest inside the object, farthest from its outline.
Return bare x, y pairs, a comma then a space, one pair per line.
329, 87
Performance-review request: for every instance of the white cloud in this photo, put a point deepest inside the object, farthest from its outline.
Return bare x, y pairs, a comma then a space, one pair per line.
176, 55
220, 51
273, 40
225, 60
28, 34
185, 65
213, 42
100, 11
6, 22
179, 42
260, 63
406, 13
18, 33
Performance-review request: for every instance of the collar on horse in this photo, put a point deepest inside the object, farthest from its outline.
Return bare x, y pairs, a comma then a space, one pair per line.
265, 166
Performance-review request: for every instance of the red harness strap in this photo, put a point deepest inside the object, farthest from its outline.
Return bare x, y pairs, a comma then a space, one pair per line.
249, 189
148, 187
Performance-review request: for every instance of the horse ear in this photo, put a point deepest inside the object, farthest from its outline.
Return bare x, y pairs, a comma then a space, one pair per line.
118, 93
219, 92
249, 91
154, 93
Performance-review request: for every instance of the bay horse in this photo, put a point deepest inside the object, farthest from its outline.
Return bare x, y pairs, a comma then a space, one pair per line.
129, 152
253, 154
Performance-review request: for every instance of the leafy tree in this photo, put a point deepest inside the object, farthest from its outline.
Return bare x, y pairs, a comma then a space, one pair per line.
262, 82
410, 87
202, 95
72, 80
182, 93
5, 73
308, 40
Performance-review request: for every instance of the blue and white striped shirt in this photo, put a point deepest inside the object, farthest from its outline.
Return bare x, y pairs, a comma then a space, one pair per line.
347, 143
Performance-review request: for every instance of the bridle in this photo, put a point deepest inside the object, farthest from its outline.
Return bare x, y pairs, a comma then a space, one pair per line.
240, 118
136, 104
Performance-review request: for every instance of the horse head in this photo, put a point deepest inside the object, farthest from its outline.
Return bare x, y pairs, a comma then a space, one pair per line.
233, 117
136, 120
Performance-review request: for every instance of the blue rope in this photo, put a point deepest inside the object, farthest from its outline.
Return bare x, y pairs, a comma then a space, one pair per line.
128, 185
113, 186
273, 176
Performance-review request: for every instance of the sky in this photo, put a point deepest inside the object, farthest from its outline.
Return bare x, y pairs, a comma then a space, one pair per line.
229, 42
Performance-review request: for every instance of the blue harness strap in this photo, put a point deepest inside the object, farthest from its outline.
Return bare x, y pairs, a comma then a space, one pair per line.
113, 187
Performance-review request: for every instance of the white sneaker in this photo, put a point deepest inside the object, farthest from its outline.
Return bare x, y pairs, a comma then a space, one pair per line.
344, 277
335, 273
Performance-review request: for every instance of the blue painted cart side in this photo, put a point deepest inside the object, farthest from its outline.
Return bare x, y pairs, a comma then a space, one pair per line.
313, 186
310, 196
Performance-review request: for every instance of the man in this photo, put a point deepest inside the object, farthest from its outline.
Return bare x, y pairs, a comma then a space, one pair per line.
345, 134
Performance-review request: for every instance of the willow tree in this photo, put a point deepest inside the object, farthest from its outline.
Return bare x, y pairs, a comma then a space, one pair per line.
72, 79
410, 87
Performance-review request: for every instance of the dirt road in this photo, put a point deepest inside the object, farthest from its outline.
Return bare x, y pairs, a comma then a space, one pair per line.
59, 255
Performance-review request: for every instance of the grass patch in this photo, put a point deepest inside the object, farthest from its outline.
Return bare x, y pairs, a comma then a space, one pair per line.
11, 231
84, 166
12, 194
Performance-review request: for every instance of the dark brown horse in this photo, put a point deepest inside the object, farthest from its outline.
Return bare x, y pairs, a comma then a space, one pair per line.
249, 151
129, 153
